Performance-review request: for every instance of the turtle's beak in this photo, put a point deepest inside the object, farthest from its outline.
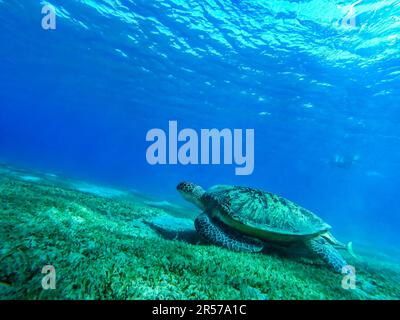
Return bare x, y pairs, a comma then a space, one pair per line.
191, 192
185, 187
186, 190
180, 186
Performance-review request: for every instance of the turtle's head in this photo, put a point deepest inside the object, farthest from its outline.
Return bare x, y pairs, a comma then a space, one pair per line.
191, 192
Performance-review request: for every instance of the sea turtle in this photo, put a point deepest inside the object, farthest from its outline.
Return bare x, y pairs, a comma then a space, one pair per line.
243, 219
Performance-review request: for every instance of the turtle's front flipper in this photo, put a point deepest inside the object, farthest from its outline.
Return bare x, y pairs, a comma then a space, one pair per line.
214, 232
327, 252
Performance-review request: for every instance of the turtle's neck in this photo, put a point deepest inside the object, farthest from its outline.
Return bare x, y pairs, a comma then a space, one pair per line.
195, 197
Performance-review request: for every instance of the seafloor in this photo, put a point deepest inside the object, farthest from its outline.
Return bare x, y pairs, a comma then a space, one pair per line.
112, 244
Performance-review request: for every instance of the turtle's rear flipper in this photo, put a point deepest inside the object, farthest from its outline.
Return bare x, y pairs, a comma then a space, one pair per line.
215, 233
327, 252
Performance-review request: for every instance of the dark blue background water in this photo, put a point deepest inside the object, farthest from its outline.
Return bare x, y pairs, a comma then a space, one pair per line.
80, 99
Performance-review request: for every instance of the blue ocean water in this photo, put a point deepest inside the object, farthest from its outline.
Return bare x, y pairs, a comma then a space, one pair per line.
317, 80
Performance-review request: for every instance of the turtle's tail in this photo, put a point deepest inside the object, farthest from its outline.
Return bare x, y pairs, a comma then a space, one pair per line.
348, 247
350, 250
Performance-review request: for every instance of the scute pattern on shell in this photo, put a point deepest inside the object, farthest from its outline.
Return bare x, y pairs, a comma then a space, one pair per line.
265, 210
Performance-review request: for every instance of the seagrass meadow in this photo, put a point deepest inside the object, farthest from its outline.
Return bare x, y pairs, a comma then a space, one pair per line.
114, 244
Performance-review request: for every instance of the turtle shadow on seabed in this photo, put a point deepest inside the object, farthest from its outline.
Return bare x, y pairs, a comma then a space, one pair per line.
294, 252
173, 228
182, 229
